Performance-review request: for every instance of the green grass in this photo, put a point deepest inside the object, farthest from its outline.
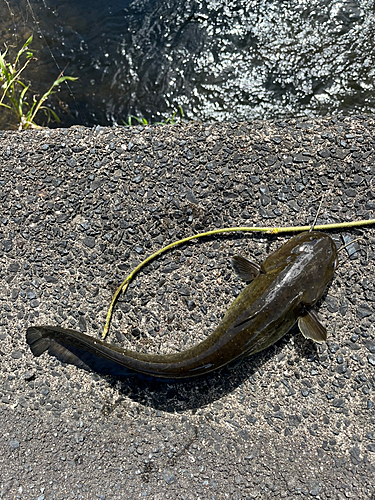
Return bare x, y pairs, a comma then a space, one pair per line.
172, 120
16, 93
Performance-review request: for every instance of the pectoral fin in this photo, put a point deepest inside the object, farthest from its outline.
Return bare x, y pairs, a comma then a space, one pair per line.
245, 268
311, 327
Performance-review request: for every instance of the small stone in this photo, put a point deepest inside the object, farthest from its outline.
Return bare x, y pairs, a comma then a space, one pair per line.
62, 218
341, 369
315, 491
190, 197
16, 354
136, 332
265, 200
50, 279
89, 241
29, 375
355, 455
325, 153
334, 347
14, 444
299, 158
276, 139
44, 391
7, 245
190, 305
22, 402
370, 344
168, 478
82, 323
271, 160
338, 403
138, 179
71, 162
30, 294
14, 267
332, 304
371, 359
343, 307
184, 290
363, 311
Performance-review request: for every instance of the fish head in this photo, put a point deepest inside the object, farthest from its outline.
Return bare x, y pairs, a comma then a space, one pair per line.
306, 261
319, 253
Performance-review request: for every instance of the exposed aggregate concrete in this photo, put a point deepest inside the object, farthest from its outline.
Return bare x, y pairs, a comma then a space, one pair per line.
79, 209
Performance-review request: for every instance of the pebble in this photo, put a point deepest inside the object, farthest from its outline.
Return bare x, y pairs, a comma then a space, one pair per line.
364, 310
14, 444
29, 375
89, 241
7, 245
17, 354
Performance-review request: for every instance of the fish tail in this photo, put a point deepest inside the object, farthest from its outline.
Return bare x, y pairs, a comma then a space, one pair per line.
38, 340
42, 339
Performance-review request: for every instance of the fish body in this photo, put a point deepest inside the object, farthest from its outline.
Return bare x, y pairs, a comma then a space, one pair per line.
287, 284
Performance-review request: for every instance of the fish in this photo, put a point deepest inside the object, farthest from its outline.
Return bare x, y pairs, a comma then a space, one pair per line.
281, 292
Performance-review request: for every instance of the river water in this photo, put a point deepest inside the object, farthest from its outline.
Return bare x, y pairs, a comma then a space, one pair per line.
219, 60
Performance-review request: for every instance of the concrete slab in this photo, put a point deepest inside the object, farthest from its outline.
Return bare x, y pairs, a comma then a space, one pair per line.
79, 209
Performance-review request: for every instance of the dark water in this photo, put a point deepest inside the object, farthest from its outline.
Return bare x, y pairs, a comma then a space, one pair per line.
219, 60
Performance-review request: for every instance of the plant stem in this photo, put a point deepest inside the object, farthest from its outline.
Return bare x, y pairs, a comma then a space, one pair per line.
273, 230
14, 90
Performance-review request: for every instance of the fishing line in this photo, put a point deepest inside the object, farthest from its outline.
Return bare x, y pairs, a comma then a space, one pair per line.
351, 243
355, 250
53, 57
316, 216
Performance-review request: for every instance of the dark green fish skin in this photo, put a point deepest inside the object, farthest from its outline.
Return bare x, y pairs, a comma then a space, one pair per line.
292, 280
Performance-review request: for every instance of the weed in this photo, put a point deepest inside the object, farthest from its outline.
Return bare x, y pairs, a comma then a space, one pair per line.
172, 120
15, 91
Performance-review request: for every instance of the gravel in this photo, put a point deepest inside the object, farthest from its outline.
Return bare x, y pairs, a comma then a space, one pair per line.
80, 208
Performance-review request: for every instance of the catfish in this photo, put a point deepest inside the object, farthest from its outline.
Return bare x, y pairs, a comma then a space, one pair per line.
282, 292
